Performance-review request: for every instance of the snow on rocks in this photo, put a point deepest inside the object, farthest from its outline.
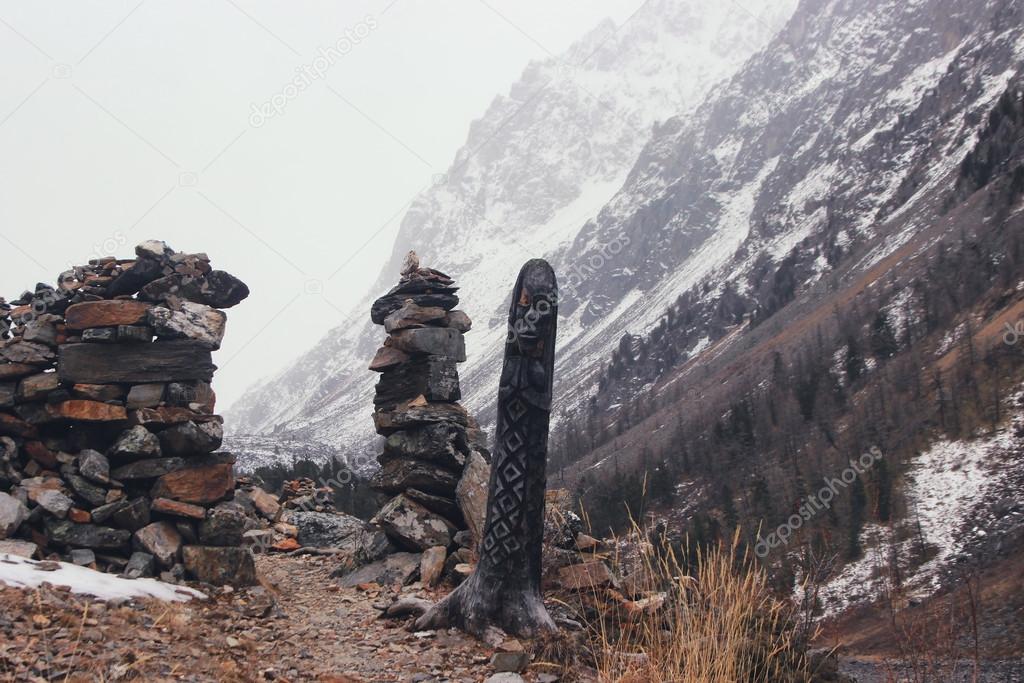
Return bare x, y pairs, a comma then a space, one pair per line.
21, 572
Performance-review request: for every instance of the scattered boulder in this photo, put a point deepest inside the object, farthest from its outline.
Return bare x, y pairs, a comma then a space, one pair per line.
12, 513
398, 568
432, 564
161, 540
325, 530
139, 565
220, 566
412, 526
225, 525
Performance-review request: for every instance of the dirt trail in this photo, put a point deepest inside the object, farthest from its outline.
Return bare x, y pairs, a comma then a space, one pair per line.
300, 627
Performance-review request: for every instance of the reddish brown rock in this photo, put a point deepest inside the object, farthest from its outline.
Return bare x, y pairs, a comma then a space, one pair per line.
87, 411
178, 509
41, 454
13, 426
106, 314
286, 545
388, 357
79, 516
201, 485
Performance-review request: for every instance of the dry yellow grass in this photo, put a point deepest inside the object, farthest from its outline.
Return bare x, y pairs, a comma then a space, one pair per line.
719, 624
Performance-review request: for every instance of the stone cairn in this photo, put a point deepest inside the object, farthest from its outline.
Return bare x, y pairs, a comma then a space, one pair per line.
108, 438
434, 462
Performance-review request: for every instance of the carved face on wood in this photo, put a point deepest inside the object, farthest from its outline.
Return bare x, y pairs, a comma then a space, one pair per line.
530, 345
534, 310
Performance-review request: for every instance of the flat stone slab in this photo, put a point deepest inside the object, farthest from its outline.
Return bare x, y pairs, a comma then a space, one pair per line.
165, 361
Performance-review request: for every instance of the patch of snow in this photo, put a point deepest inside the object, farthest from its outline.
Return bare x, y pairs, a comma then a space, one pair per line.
20, 572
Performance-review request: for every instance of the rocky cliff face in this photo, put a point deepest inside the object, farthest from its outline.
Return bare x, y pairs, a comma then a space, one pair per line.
535, 167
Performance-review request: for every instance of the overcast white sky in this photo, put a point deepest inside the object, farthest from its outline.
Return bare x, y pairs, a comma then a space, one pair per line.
126, 120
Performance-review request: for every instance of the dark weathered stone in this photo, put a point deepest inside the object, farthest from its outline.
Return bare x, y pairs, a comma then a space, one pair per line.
224, 525
132, 516
8, 390
42, 329
433, 341
471, 495
159, 539
412, 526
220, 566
15, 370
169, 361
504, 591
135, 277
440, 505
224, 290
37, 387
194, 395
411, 316
101, 514
147, 469
94, 466
386, 305
325, 530
25, 352
63, 532
136, 443
388, 357
190, 438
434, 378
86, 490
458, 320
443, 443
412, 416
203, 324
12, 513
175, 285
140, 565
168, 415
399, 474
398, 568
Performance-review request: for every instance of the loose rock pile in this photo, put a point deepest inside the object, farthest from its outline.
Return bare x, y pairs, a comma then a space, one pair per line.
434, 463
108, 437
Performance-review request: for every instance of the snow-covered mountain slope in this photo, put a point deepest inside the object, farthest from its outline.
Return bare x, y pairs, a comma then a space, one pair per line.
539, 163
839, 131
